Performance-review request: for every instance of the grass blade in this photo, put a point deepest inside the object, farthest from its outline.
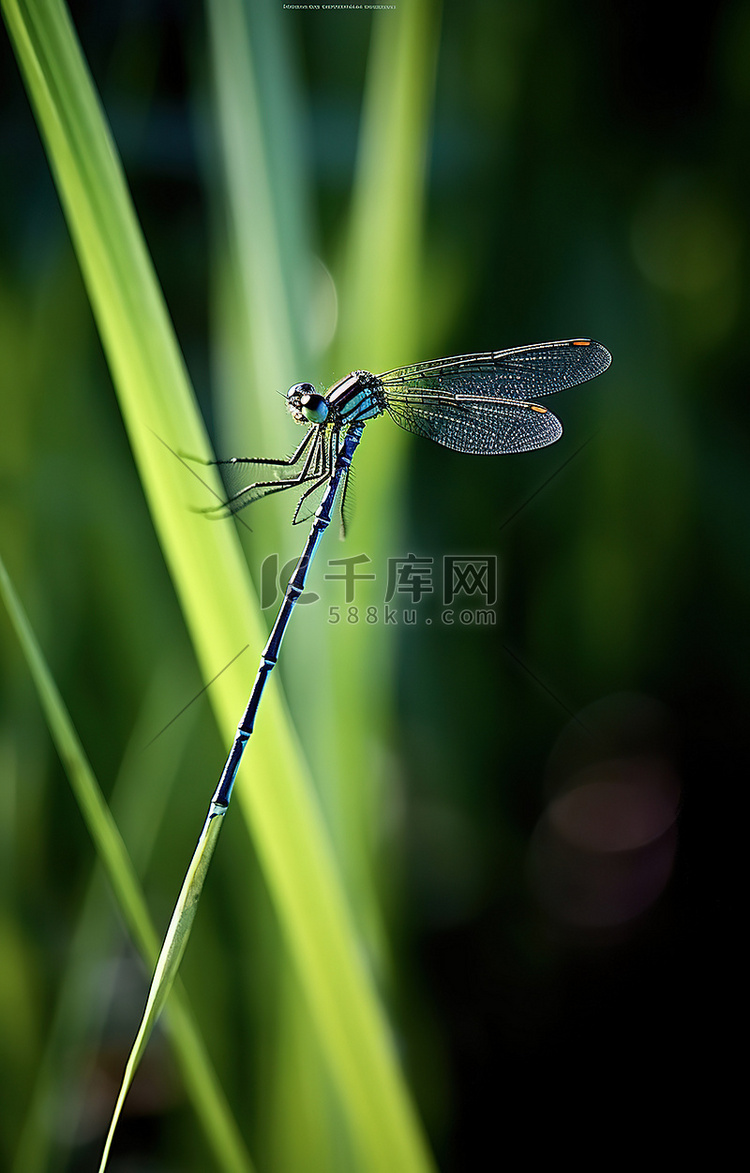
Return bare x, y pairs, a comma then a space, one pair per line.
200, 1080
382, 323
52, 1120
212, 584
168, 962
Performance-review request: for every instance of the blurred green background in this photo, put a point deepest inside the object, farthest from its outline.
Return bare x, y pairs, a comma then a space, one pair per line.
530, 817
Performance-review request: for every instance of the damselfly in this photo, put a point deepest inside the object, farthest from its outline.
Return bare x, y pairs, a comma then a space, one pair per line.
475, 403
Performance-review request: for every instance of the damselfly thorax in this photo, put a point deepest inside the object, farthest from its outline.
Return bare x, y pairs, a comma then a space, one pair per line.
359, 396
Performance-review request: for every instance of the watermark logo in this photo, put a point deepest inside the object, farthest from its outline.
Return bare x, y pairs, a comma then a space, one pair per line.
472, 576
410, 576
457, 589
273, 582
350, 576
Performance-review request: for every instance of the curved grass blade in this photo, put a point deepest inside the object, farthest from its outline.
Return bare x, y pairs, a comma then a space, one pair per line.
212, 583
52, 1118
383, 259
382, 298
200, 1079
168, 961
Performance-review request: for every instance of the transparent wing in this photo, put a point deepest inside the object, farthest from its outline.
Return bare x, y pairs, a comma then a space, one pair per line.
526, 372
473, 425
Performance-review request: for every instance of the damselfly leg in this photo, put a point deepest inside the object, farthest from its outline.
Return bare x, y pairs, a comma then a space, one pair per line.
273, 476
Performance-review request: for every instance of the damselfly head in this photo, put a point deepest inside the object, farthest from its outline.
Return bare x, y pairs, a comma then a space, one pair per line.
305, 405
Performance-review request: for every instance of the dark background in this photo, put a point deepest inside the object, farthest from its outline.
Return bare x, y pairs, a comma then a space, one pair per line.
588, 176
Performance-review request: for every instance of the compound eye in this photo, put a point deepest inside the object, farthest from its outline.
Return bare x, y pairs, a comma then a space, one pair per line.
314, 408
299, 391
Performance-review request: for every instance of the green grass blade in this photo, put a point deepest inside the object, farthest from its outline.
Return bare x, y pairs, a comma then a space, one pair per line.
213, 588
262, 262
77, 1022
251, 89
200, 1080
383, 313
383, 324
262, 186
168, 962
